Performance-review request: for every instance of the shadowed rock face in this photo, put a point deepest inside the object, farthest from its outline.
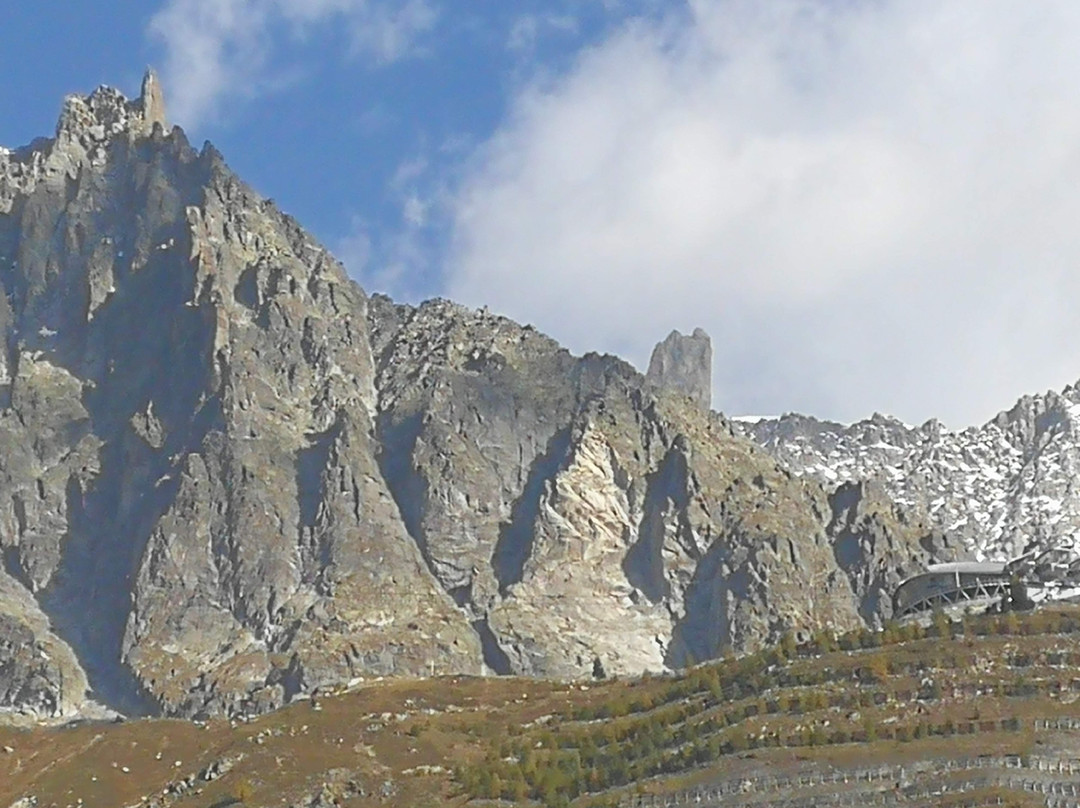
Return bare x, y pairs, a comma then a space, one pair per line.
878, 543
227, 476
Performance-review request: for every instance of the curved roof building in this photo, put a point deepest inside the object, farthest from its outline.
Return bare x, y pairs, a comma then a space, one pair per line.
1050, 574
978, 583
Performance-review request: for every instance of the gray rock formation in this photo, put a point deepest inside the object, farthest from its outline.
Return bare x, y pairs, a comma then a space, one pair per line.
39, 673
152, 101
228, 477
1000, 489
190, 484
878, 543
683, 365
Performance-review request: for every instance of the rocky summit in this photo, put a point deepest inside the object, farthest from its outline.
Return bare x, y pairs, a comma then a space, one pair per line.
229, 477
683, 364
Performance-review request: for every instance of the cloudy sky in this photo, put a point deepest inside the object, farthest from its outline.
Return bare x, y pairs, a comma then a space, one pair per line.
871, 205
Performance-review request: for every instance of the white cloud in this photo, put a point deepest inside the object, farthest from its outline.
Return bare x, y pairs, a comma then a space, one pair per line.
389, 33
528, 28
871, 205
221, 50
414, 211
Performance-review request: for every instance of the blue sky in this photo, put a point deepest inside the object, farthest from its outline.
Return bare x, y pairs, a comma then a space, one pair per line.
869, 204
346, 134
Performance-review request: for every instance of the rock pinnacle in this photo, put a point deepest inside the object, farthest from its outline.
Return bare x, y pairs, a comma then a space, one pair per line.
684, 364
153, 101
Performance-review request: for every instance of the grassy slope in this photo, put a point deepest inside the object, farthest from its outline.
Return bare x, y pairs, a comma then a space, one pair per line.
913, 698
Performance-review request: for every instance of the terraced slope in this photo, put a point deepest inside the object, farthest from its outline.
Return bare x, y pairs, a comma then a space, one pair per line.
955, 713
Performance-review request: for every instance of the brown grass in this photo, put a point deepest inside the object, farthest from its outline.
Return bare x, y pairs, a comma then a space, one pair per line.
376, 733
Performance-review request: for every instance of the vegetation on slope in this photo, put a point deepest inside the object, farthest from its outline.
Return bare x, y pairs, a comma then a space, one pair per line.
907, 693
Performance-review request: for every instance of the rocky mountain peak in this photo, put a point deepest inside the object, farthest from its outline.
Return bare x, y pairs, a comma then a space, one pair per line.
683, 364
86, 127
107, 113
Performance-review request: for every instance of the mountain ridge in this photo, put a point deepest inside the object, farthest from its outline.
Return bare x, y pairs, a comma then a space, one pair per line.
230, 478
1002, 489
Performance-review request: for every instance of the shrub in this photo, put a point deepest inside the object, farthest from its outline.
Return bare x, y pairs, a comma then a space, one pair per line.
244, 791
877, 669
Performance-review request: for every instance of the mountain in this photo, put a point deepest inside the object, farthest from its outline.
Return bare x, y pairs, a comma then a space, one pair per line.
1002, 489
229, 477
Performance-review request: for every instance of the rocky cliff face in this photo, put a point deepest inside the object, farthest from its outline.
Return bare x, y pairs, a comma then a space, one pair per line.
999, 490
228, 477
190, 484
583, 522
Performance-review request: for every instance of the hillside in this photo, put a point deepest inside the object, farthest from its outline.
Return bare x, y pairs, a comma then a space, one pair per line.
963, 713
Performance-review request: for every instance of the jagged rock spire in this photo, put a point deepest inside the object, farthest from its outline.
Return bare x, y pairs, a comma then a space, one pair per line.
683, 364
153, 101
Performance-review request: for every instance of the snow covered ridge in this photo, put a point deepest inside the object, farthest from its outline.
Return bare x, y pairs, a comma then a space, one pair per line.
1004, 488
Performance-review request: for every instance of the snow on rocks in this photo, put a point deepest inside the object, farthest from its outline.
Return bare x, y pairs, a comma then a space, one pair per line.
1002, 488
